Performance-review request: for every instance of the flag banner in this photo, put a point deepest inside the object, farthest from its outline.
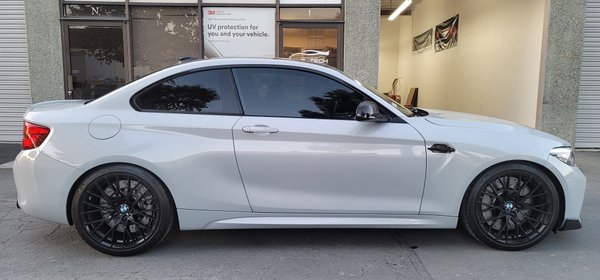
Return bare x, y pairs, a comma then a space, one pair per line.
422, 42
446, 34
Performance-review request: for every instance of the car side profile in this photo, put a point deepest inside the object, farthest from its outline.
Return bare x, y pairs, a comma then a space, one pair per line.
271, 143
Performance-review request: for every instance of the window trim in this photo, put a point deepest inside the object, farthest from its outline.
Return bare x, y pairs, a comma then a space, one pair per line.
235, 98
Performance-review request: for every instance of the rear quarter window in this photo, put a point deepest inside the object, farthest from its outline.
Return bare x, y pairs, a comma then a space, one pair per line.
204, 92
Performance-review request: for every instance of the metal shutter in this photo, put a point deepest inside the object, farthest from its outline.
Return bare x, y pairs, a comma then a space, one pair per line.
15, 94
588, 112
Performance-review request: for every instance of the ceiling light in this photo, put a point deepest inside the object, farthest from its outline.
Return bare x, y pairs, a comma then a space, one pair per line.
400, 9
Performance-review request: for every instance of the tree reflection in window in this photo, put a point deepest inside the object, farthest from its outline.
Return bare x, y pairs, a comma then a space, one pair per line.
195, 92
169, 96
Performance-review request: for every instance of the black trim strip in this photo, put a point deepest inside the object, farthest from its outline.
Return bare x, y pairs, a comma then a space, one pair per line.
571, 225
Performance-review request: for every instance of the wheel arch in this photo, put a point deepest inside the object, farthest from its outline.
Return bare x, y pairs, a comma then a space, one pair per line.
93, 169
548, 172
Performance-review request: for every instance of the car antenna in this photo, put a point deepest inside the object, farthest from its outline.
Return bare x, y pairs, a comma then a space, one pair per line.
186, 59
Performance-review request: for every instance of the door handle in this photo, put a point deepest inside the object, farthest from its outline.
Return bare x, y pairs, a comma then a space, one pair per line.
259, 129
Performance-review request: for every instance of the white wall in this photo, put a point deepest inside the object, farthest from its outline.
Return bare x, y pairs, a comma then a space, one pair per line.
389, 53
494, 70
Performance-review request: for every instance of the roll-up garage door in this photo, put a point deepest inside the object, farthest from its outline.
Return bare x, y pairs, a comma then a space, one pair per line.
15, 93
588, 112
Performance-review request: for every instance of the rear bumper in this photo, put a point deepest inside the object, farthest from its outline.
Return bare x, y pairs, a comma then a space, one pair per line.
43, 185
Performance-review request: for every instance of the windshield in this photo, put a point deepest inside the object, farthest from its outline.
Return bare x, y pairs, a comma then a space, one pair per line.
392, 102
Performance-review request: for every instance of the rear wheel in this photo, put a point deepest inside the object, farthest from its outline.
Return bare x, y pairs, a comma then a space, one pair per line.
511, 207
121, 210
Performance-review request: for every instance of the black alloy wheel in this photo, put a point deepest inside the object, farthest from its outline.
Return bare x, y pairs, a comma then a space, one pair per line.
511, 207
122, 210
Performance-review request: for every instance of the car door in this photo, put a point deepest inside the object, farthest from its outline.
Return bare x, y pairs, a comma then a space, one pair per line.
300, 150
184, 123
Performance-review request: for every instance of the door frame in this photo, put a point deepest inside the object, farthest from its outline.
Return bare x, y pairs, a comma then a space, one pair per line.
319, 25
68, 80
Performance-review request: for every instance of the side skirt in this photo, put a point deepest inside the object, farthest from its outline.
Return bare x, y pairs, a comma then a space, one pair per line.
198, 219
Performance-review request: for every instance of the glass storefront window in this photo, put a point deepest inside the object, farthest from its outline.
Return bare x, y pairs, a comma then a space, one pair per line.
162, 35
319, 45
96, 60
108, 43
310, 13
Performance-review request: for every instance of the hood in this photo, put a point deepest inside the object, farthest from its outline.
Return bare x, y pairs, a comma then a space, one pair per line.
464, 120
457, 119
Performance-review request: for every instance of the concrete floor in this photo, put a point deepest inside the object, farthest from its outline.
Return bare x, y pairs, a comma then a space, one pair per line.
34, 249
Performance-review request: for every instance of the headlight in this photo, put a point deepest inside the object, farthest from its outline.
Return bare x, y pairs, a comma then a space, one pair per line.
564, 154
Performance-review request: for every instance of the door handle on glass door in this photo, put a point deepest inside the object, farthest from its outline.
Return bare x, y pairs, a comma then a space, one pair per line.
259, 129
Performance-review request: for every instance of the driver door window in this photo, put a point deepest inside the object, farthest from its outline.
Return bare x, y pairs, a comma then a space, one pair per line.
276, 92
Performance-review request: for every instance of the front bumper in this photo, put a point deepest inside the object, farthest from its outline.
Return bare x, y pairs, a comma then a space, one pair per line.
573, 183
43, 185
570, 225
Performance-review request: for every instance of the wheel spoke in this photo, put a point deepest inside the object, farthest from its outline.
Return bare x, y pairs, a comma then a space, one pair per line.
506, 233
526, 183
143, 211
96, 229
141, 196
516, 227
112, 237
524, 231
127, 232
140, 225
531, 192
497, 234
538, 205
107, 233
94, 221
144, 214
111, 185
92, 211
96, 206
532, 219
129, 190
491, 219
106, 197
539, 194
95, 195
540, 211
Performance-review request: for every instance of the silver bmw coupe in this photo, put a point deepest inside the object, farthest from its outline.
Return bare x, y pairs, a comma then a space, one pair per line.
269, 143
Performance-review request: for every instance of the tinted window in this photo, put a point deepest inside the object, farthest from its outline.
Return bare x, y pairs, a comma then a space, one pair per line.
292, 93
203, 92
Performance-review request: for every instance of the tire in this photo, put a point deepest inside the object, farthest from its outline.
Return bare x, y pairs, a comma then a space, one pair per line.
511, 207
122, 210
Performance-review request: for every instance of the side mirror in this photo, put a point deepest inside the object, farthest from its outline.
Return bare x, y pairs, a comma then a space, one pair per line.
368, 111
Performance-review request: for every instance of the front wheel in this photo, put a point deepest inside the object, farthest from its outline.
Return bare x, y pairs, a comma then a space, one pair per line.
511, 207
121, 210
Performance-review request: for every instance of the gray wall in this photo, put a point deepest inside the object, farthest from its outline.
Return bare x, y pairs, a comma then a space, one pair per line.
361, 40
45, 50
561, 64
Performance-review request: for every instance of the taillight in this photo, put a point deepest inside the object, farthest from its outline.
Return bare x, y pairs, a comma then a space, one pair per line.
33, 135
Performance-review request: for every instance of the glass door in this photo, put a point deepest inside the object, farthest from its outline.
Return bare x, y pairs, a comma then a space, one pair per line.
96, 60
